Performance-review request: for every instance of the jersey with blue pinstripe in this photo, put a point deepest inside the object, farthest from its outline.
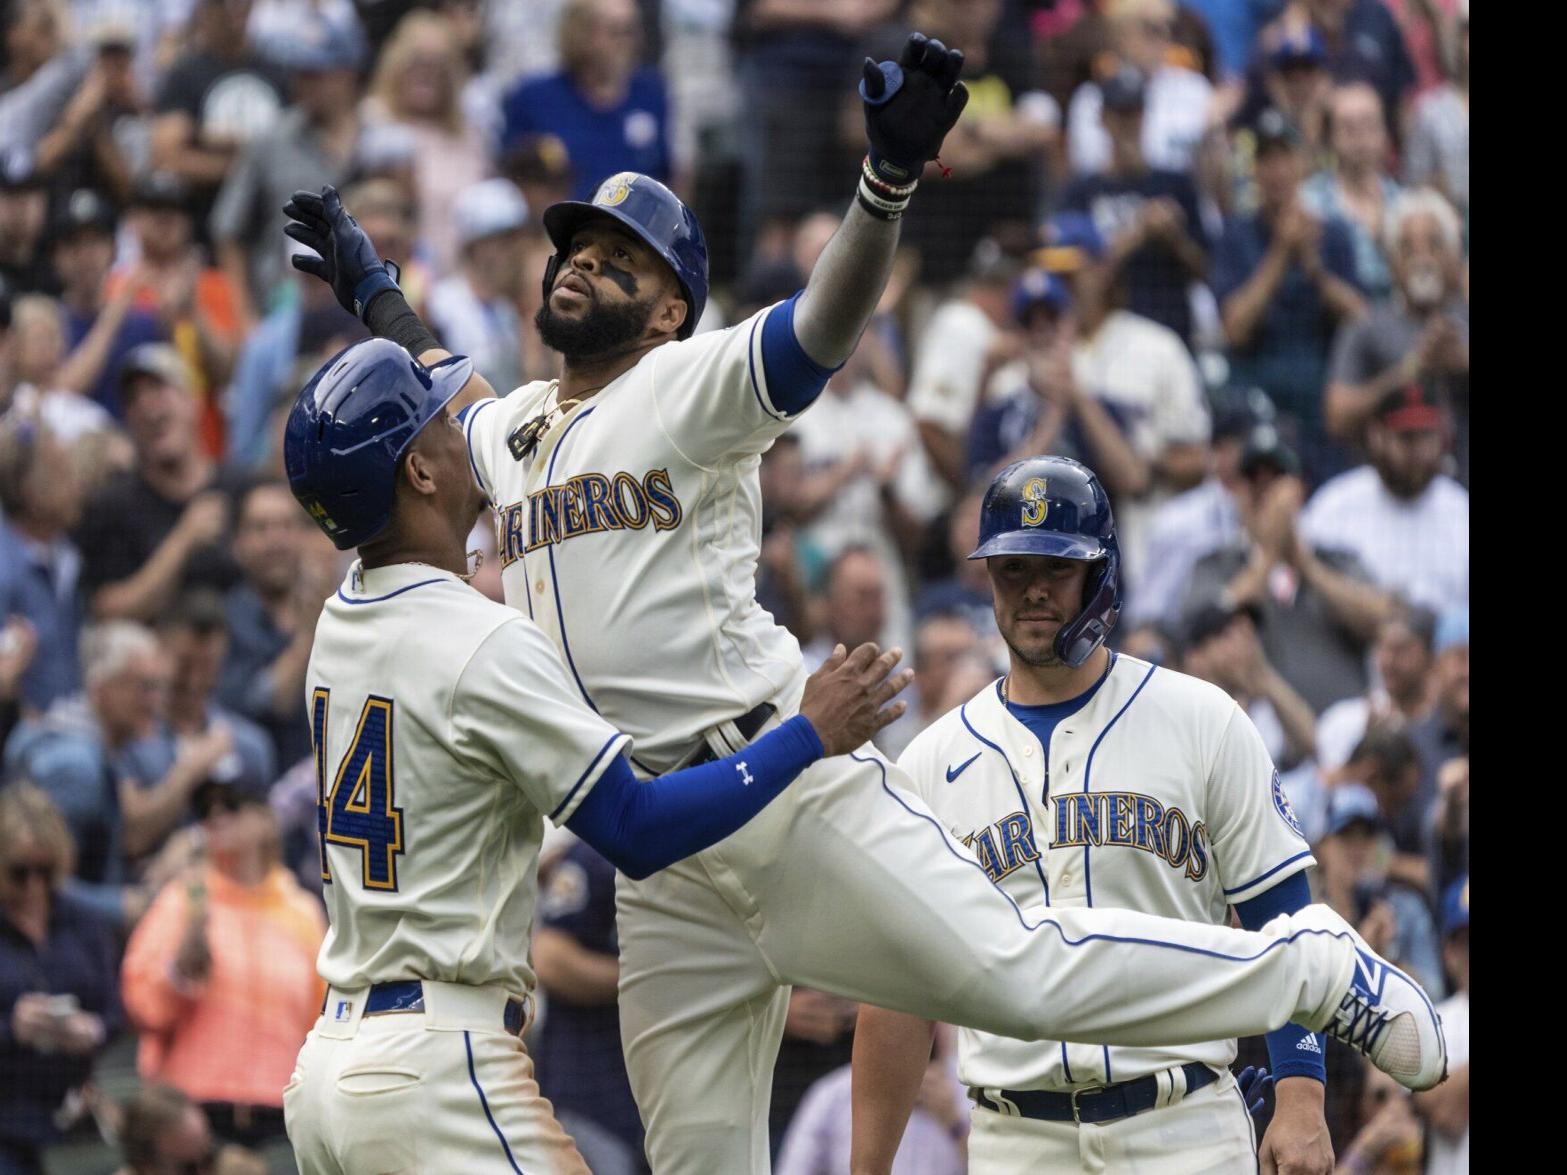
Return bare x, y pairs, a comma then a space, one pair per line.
639, 512
1159, 797
482, 735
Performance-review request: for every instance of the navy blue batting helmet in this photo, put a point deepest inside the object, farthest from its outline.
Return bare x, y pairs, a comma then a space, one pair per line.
1055, 506
652, 212
350, 427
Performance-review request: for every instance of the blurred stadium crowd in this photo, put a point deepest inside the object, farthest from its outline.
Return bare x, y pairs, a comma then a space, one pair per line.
1217, 250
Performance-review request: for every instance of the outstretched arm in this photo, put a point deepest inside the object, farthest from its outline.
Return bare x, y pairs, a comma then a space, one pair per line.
909, 108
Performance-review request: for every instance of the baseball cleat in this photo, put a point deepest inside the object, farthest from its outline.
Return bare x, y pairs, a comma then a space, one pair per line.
1384, 1015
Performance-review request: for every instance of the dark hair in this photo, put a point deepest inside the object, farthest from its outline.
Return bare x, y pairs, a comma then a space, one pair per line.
200, 611
259, 481
1420, 621
150, 1111
853, 550
1389, 750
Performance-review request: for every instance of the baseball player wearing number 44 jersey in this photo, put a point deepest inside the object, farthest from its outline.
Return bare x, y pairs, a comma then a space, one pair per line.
629, 515
1087, 779
445, 729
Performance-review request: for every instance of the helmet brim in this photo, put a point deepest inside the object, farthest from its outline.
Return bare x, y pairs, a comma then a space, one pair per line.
1049, 543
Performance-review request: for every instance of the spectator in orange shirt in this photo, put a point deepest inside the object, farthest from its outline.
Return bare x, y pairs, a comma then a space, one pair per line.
223, 966
193, 299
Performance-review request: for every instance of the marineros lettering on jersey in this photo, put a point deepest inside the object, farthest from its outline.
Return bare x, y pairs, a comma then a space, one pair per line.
1100, 820
590, 503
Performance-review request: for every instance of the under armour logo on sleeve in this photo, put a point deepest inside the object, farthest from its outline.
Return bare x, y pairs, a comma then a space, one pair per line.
746, 778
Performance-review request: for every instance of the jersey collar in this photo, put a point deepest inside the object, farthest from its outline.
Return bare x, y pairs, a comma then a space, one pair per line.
363, 585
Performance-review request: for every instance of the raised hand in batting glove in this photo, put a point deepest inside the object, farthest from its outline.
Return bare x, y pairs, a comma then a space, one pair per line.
348, 260
910, 105
1254, 1083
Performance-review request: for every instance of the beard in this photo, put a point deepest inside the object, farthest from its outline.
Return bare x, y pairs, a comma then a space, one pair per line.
602, 328
1035, 657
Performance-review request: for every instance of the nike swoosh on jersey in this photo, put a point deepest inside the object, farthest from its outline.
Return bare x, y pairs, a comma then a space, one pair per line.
954, 772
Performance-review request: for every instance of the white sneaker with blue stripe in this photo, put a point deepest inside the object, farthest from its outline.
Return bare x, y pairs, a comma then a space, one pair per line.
1384, 1015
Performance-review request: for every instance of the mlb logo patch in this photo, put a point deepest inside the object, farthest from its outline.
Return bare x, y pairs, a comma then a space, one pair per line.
344, 1011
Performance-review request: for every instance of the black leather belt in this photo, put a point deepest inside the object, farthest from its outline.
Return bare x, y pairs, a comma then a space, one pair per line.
1105, 1103
748, 724
408, 996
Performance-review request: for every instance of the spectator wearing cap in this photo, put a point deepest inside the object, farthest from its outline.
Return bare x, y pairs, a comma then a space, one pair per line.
1284, 281
312, 144
223, 966
1387, 761
286, 576
1406, 520
194, 301
961, 342
1404, 692
58, 1003
1352, 877
162, 525
418, 85
40, 501
1446, 1107
1361, 42
1357, 188
1437, 153
99, 330
612, 113
1418, 335
1289, 74
576, 1051
99, 140
474, 310
1318, 607
215, 97
1178, 103
24, 215
1034, 404
1140, 370
1149, 217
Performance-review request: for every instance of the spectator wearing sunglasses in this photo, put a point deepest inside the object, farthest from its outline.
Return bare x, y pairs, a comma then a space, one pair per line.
223, 965
57, 991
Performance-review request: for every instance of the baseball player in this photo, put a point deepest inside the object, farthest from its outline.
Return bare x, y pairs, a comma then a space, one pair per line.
629, 517
1087, 779
445, 728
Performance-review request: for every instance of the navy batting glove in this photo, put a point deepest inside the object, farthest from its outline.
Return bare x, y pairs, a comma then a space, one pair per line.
348, 261
910, 105
1256, 1083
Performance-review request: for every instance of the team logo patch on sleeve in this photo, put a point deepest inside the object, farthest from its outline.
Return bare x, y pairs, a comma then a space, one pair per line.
1282, 803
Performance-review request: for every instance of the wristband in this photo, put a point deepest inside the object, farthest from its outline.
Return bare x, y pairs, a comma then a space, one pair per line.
883, 186
390, 317
879, 206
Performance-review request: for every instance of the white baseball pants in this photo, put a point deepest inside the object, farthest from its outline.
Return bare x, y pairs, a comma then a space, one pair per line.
422, 1093
1208, 1132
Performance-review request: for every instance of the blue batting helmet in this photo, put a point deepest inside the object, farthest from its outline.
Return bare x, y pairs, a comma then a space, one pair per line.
350, 427
1055, 506
652, 212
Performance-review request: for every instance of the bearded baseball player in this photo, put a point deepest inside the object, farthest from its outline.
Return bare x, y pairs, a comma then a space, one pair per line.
1087, 779
445, 729
629, 517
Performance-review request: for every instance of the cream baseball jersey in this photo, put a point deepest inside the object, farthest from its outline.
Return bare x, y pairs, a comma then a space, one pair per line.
645, 500
445, 730
1158, 796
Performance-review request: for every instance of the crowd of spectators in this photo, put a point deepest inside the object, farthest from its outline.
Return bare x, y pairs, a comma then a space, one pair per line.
1216, 249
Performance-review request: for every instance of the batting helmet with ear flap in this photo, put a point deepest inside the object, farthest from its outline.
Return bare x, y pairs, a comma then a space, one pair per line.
652, 212
1054, 506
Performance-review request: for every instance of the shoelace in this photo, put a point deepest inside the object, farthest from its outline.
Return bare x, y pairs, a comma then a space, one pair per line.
1362, 1027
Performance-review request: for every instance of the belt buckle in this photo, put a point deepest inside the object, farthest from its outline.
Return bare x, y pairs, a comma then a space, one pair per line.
1075, 1094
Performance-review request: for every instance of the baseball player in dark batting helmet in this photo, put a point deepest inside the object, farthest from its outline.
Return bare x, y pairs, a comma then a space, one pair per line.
350, 427
655, 214
1055, 507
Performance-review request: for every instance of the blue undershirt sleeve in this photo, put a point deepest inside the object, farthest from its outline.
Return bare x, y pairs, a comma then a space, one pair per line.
1292, 1051
644, 827
794, 379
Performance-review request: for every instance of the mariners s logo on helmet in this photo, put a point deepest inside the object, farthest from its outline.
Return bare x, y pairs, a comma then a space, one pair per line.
1035, 504
615, 189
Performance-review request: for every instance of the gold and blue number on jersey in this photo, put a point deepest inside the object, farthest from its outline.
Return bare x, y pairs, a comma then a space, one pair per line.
1129, 820
358, 810
590, 503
